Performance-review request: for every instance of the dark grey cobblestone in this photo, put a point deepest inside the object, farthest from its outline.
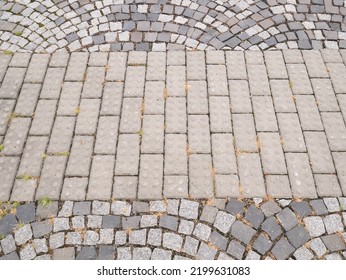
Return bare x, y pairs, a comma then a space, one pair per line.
104, 25
213, 233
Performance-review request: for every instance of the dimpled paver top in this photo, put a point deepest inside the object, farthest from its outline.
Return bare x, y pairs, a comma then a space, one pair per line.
105, 25
176, 124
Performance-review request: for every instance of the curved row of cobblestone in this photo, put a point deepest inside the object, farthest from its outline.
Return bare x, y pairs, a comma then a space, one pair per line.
175, 229
102, 25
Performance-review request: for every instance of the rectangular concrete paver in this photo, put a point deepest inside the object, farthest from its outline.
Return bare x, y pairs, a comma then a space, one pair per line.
176, 124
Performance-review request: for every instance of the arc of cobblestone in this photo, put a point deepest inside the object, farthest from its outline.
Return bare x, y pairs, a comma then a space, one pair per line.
143, 25
175, 229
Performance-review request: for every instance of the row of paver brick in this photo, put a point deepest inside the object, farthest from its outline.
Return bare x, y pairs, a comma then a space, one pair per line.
154, 116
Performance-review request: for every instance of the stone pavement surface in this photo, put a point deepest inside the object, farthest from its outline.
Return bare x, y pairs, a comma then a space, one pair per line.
173, 124
48, 25
175, 229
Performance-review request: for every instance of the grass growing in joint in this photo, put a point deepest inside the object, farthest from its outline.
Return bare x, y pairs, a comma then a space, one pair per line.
45, 201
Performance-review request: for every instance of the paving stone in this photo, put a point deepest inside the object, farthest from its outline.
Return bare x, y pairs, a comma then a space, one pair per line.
318, 207
12, 82
106, 137
235, 249
202, 231
74, 188
265, 119
73, 238
87, 118
235, 207
26, 102
282, 249
87, 253
176, 82
209, 214
188, 209
134, 82
82, 208
138, 237
172, 206
298, 236
333, 223
27, 253
161, 254
41, 228
200, 176
52, 83
242, 232
195, 62
37, 68
47, 211
124, 253
217, 80
56, 240
125, 187
333, 242
76, 67
299, 79
336, 72
186, 227
140, 207
198, 134
206, 252
148, 221
275, 65
302, 208
11, 256
66, 209
8, 244
176, 115
262, 244
106, 252
244, 133
69, 99
314, 226
153, 134
308, 113
220, 114
60, 224
15, 137
254, 216
169, 222
335, 130
287, 219
130, 222
258, 80
271, 227
111, 98
154, 237
127, 160
318, 247
240, 96
100, 207
282, 96
172, 241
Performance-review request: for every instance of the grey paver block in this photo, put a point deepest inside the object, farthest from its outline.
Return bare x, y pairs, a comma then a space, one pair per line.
37, 68
278, 186
300, 174
303, 254
235, 62
93, 83
176, 82
271, 153
314, 63
175, 154
287, 219
282, 249
330, 55
101, 177
240, 96
154, 97
235, 206
88, 116
8, 244
26, 212
319, 207
26, 102
156, 68
262, 244
250, 173
125, 187
202, 231
127, 160
220, 114
218, 240
106, 252
175, 58
200, 176
16, 136
52, 177
270, 208
134, 82
175, 186
106, 137
41, 228
169, 222
24, 190
335, 130
12, 82
116, 66
302, 208
271, 227
275, 65
217, 80
175, 115
197, 101
299, 79
223, 154
337, 72
69, 99
61, 136
258, 79
291, 133
265, 119
52, 83
206, 252
325, 95
44, 117
74, 189
327, 185
319, 153
242, 232
82, 208
298, 236
112, 98
195, 62
308, 113
314, 226
227, 186
80, 157
235, 249
77, 66
153, 134
333, 242
254, 216
130, 121
150, 177
198, 134
244, 133
110, 221
282, 96
87, 253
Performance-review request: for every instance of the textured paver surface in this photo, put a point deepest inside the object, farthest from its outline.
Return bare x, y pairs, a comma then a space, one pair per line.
44, 25
175, 124
176, 229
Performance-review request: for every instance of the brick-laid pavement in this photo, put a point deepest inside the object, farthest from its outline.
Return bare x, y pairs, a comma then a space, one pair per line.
176, 124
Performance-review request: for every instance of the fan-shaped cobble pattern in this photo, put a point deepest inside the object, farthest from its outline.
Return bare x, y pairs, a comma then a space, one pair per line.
96, 25
175, 229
